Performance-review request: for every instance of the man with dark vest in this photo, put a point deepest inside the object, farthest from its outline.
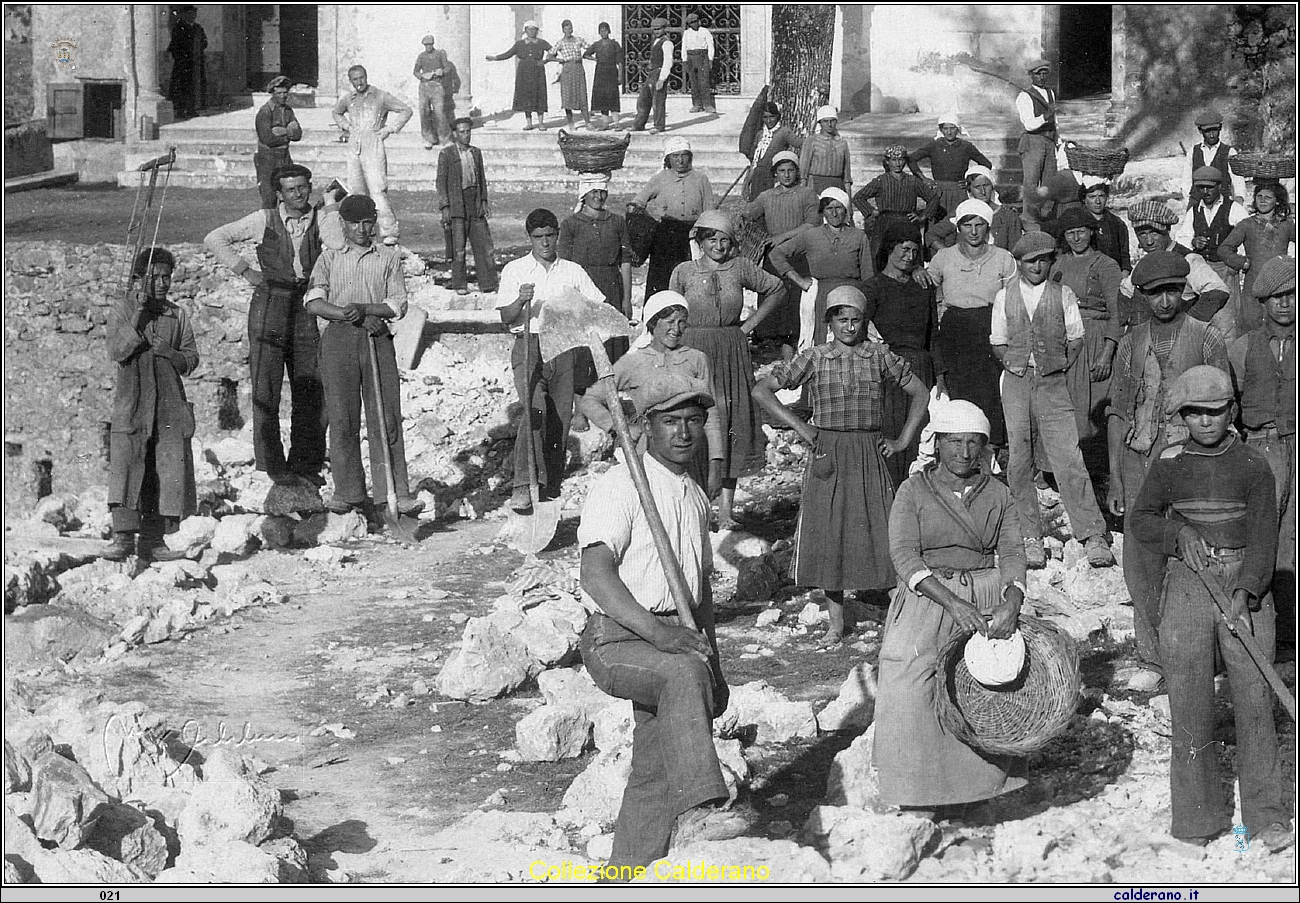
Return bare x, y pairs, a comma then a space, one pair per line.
1037, 334
1036, 106
1150, 357
1204, 294
1210, 151
654, 90
1264, 370
281, 337
1210, 217
276, 126
462, 197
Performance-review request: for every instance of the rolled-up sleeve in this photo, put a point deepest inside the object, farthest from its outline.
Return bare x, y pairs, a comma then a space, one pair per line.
998, 325
395, 287
1070, 307
222, 240
318, 288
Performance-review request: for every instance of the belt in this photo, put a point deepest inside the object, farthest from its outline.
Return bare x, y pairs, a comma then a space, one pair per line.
1216, 554
296, 286
692, 52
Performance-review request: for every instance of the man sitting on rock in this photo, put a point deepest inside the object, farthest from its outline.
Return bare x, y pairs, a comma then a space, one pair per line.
637, 648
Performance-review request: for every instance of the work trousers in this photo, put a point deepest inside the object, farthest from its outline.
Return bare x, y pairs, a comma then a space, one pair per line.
433, 112
1036, 404
699, 74
474, 228
1190, 629
674, 762
368, 175
1038, 161
646, 99
265, 161
347, 376
549, 386
282, 337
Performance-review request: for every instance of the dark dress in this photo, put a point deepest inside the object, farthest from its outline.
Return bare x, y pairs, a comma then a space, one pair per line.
530, 75
189, 83
605, 93
907, 317
600, 247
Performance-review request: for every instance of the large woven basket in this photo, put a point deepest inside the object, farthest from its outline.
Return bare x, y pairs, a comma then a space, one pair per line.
751, 238
593, 153
1095, 161
1262, 166
1016, 718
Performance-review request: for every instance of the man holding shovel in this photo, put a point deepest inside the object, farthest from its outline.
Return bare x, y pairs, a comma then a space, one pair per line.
638, 647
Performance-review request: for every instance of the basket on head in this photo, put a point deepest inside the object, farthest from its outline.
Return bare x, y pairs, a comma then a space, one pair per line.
1019, 717
1094, 161
1262, 166
593, 153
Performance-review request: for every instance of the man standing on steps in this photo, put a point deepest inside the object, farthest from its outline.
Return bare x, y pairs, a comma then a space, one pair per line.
654, 90
430, 69
363, 118
697, 50
1036, 106
276, 126
462, 197
281, 337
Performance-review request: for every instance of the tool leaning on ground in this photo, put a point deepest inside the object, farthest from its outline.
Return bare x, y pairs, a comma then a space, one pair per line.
399, 529
1256, 654
573, 322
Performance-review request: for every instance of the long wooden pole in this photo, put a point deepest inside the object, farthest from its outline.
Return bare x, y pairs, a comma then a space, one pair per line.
1256, 654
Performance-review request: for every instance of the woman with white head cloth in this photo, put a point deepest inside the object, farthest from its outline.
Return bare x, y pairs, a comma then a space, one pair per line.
596, 239
967, 278
949, 155
674, 198
824, 157
954, 539
1006, 228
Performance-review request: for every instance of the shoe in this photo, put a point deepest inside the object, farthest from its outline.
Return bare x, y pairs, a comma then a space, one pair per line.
1099, 553
159, 552
409, 507
337, 506
547, 494
697, 109
529, 127
707, 823
283, 477
1035, 557
521, 500
654, 131
120, 549
1276, 837
315, 477
1146, 680
428, 145
713, 110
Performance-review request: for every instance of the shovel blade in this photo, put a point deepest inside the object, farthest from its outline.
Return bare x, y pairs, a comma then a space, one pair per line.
529, 534
400, 528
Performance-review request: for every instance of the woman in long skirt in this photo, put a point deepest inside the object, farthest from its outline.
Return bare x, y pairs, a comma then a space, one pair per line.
842, 539
568, 52
944, 523
607, 80
530, 75
714, 289
674, 198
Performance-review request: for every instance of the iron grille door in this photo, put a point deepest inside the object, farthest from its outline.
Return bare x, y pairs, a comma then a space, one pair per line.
722, 19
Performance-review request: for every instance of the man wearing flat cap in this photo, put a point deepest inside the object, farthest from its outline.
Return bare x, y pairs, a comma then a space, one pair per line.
1037, 333
654, 90
358, 289
1264, 373
277, 126
1210, 151
281, 338
637, 648
1210, 216
1206, 513
1150, 357
1036, 107
431, 67
1205, 294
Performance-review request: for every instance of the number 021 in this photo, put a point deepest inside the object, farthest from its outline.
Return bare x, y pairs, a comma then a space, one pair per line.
110, 895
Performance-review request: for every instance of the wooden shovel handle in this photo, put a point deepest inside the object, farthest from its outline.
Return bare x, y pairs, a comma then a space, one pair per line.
682, 597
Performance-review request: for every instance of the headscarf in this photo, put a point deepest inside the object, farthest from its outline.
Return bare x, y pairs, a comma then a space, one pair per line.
950, 117
958, 417
972, 207
836, 194
974, 169
590, 181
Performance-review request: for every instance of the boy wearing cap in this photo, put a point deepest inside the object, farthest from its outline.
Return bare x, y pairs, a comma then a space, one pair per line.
697, 48
358, 289
636, 647
1150, 357
277, 126
462, 197
1205, 294
1264, 371
430, 68
654, 90
1206, 512
1036, 107
281, 338
1037, 334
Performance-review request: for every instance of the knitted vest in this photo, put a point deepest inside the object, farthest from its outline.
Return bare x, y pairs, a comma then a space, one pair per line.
1216, 229
275, 252
656, 60
1045, 109
1044, 335
1267, 389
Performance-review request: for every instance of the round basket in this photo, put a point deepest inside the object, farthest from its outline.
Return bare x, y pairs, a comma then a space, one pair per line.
1262, 166
1019, 717
593, 153
1094, 161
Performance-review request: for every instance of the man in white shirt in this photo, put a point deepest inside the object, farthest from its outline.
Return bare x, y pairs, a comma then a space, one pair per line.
526, 285
1036, 106
1210, 217
362, 116
1210, 151
697, 50
1037, 334
654, 90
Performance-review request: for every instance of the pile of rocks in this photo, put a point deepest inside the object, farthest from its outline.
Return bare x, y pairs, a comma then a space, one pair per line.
102, 793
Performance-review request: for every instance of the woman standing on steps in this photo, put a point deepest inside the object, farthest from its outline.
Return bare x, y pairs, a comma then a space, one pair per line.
530, 75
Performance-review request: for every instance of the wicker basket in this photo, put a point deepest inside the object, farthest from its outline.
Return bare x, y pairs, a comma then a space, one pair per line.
1262, 166
1094, 161
1019, 717
593, 153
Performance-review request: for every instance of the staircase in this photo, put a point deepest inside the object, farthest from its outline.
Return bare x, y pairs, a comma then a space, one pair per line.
217, 151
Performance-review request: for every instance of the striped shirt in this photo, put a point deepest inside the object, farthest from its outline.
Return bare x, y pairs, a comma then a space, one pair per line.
612, 516
353, 275
560, 279
896, 195
784, 209
848, 384
962, 282
823, 155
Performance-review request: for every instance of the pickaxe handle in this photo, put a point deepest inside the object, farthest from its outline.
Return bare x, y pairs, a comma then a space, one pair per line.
1256, 654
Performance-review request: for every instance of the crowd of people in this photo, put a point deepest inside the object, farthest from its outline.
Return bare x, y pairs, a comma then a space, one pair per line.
1046, 345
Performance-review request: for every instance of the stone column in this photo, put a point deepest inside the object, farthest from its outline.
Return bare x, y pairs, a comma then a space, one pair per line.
755, 47
452, 35
149, 100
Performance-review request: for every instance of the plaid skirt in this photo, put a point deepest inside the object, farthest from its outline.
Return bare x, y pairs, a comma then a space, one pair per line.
573, 86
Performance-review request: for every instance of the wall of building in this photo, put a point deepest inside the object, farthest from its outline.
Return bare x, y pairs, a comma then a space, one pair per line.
104, 41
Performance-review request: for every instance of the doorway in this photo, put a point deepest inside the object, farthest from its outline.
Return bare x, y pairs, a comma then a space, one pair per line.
1084, 49
281, 40
103, 110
